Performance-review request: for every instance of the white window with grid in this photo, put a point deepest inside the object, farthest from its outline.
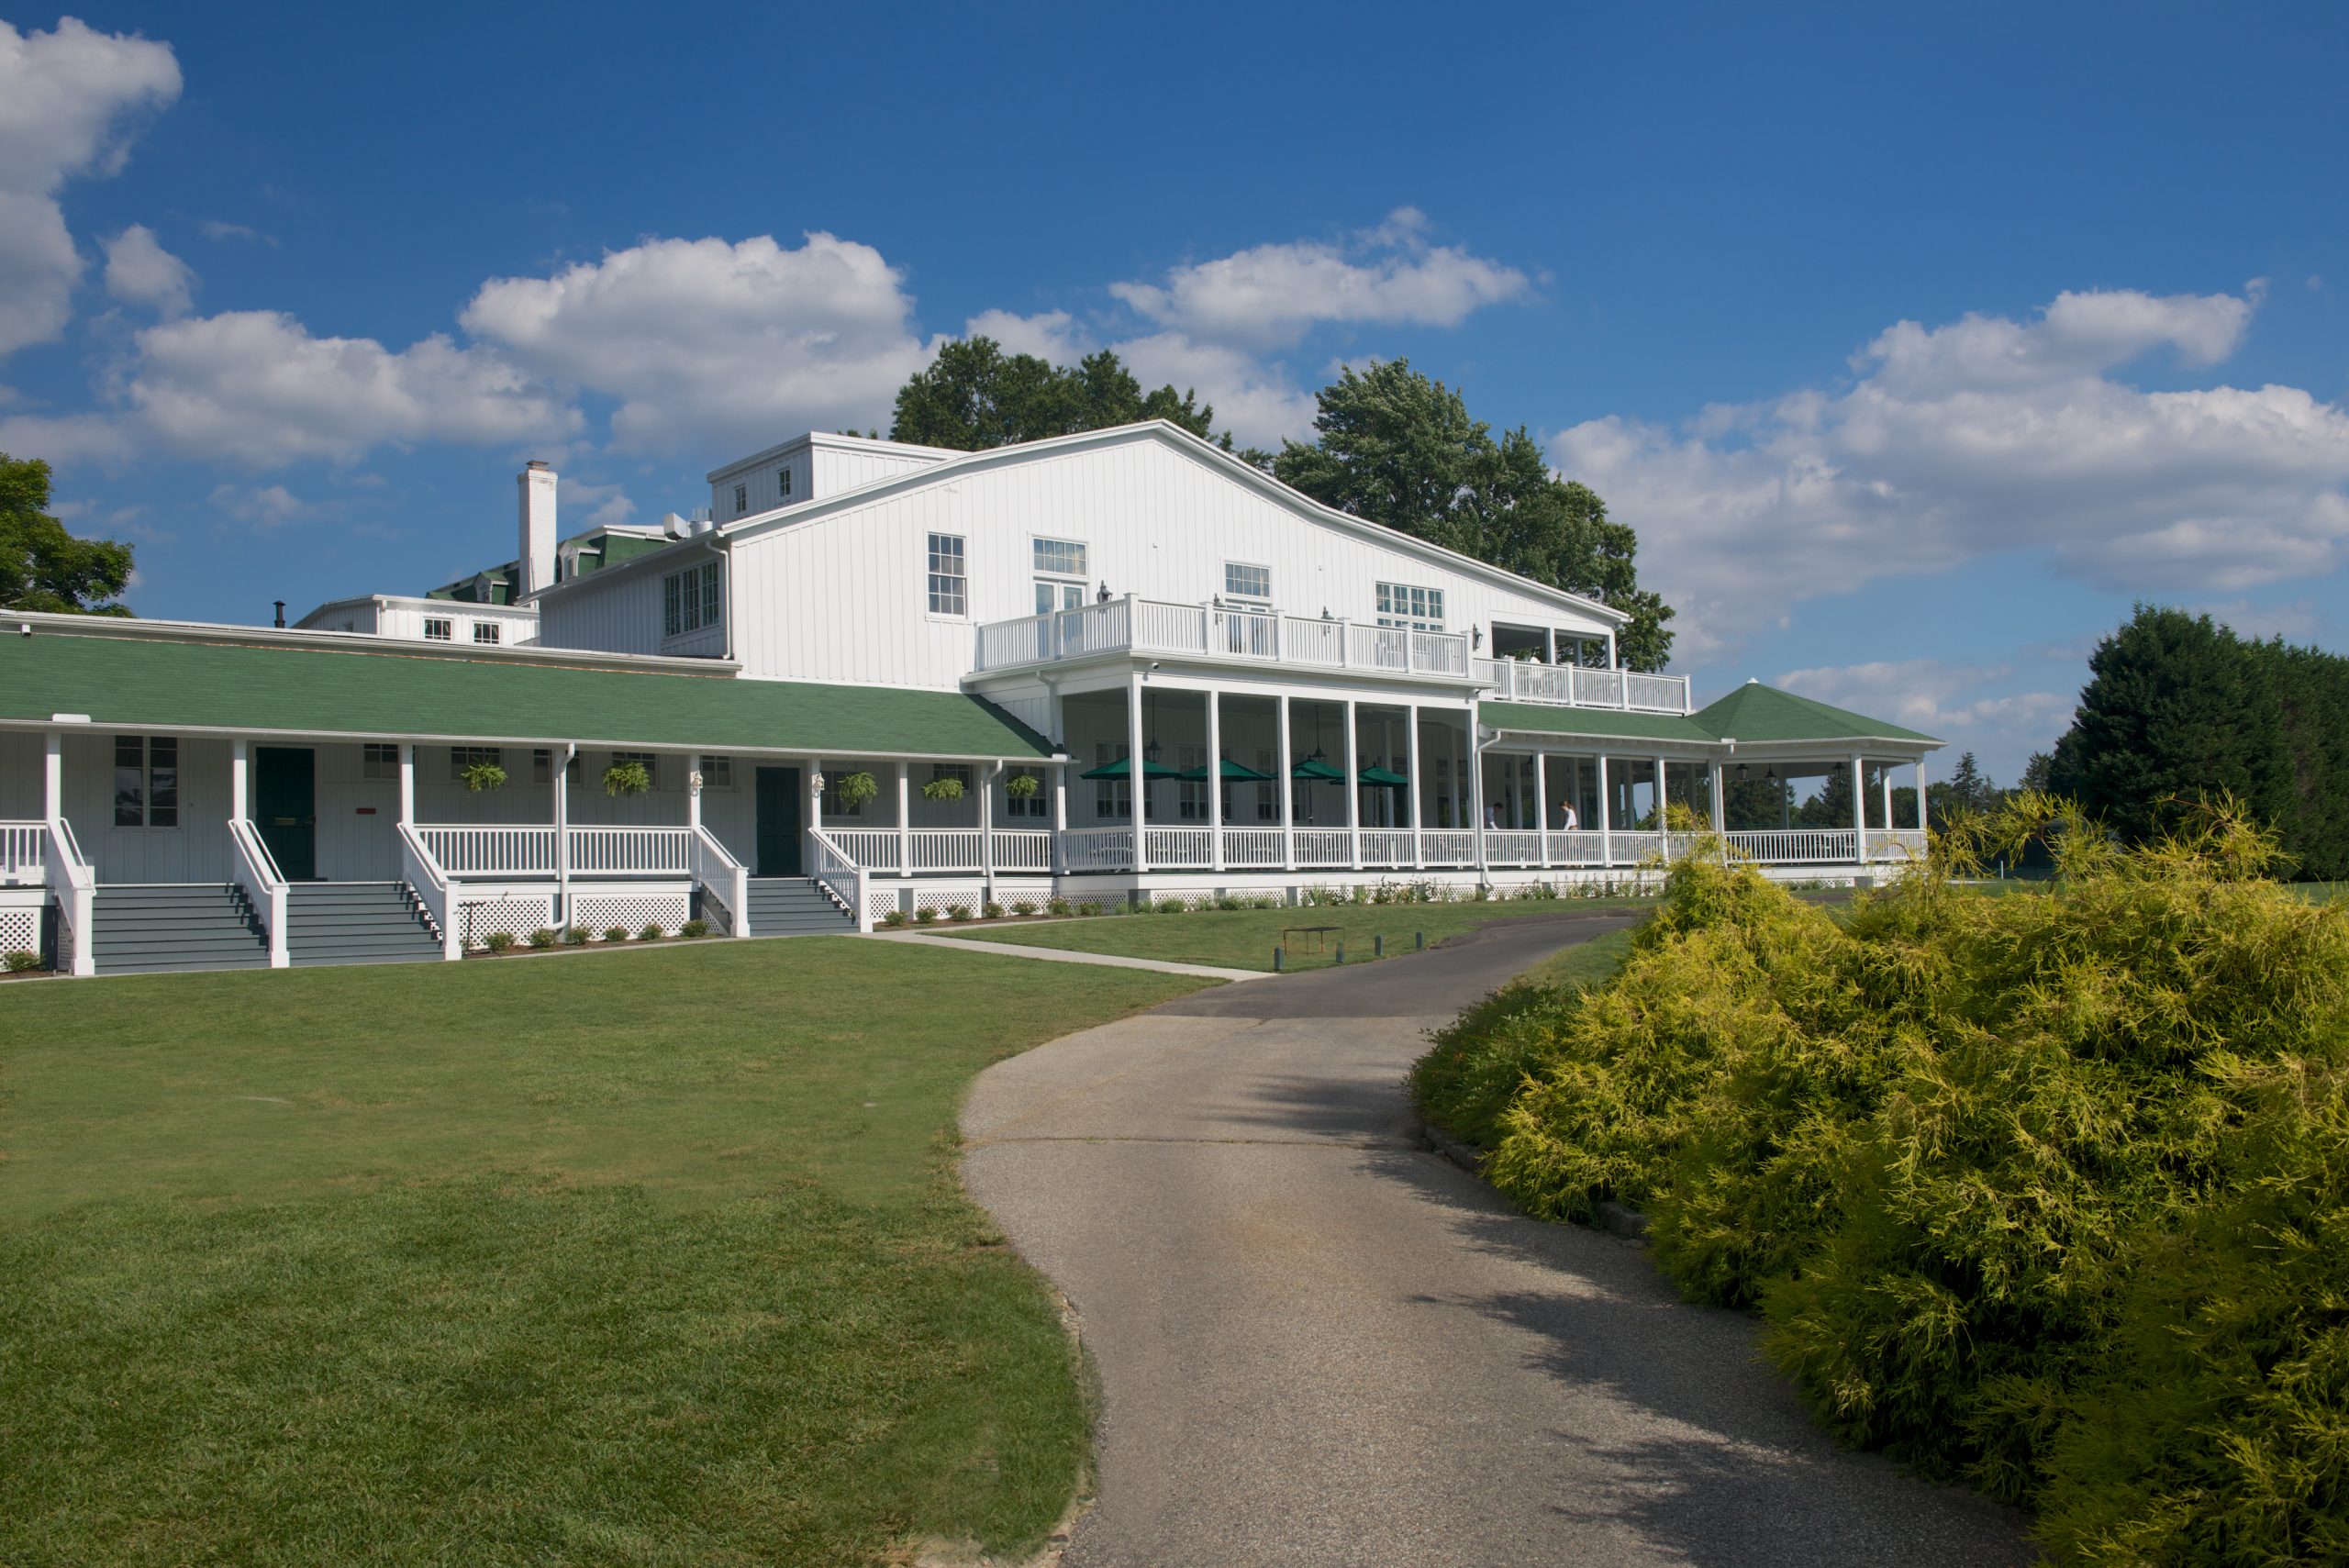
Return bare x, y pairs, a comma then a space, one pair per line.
485, 631
464, 757
146, 781
741, 499
717, 772
1037, 805
438, 631
379, 759
1190, 795
691, 600
649, 760
1060, 567
1419, 609
949, 586
1252, 585
782, 482
1113, 799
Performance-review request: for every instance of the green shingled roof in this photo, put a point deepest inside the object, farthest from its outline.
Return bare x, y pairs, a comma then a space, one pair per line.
1754, 713
402, 691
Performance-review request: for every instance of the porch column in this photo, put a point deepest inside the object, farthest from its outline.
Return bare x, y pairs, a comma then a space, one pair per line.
1137, 776
987, 776
1542, 803
408, 784
1605, 820
237, 754
563, 834
1720, 810
1214, 780
693, 794
1859, 812
1412, 790
53, 776
904, 820
1662, 827
1059, 814
1288, 792
1353, 789
1476, 794
1883, 778
1920, 794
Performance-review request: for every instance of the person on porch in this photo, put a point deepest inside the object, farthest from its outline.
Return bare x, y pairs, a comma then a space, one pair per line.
1566, 811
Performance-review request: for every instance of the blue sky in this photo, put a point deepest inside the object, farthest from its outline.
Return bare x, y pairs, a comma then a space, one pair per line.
1916, 345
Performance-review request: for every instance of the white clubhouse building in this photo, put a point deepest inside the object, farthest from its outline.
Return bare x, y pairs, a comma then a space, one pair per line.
1152, 669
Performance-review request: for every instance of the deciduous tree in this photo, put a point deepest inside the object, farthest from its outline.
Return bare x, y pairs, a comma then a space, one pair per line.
43, 567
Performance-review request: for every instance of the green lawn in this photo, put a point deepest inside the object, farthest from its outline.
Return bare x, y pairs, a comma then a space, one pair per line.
1244, 939
651, 1257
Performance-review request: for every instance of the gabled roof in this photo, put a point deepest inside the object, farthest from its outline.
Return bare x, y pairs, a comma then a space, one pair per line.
192, 684
800, 513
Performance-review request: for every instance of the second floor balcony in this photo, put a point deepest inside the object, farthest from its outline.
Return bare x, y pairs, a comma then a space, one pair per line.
1265, 638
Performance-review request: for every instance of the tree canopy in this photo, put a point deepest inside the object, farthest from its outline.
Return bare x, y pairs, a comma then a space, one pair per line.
1400, 449
43, 567
2178, 710
974, 396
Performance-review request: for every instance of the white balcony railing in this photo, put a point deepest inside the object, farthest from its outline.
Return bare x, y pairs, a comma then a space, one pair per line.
1023, 850
1220, 633
466, 851
1517, 680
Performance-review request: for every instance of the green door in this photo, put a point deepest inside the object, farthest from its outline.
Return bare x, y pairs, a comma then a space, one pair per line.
286, 808
778, 853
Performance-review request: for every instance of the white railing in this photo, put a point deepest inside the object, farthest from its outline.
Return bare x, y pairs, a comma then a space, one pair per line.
1896, 843
1793, 846
874, 849
1097, 849
840, 876
1179, 849
1448, 847
1023, 849
434, 886
75, 886
20, 853
631, 851
946, 848
1387, 847
256, 872
1512, 847
1517, 680
462, 851
1254, 848
1217, 631
716, 870
1324, 847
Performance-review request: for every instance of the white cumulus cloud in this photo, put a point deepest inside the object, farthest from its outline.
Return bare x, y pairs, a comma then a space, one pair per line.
1982, 436
711, 346
65, 98
1270, 295
256, 387
141, 272
267, 506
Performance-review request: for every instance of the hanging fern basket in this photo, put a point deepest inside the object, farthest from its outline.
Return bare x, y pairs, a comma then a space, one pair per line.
852, 792
627, 778
480, 776
1022, 787
943, 789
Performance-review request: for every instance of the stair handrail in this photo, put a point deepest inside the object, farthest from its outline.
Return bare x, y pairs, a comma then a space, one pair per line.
70, 876
841, 876
711, 861
435, 887
257, 873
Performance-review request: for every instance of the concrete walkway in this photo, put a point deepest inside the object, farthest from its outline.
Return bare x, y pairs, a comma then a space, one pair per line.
1319, 1344
1069, 955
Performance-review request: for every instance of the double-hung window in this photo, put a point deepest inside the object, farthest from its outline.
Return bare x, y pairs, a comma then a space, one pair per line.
1037, 805
1414, 609
485, 631
950, 589
741, 499
379, 759
783, 483
438, 630
691, 600
1059, 565
1113, 799
146, 781
718, 773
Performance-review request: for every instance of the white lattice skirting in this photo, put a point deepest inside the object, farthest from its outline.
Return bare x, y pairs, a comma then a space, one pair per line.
20, 928
517, 918
600, 912
879, 904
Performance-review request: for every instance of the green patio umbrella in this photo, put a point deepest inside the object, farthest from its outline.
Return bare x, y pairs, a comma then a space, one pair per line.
1233, 772
1120, 768
1374, 774
1314, 767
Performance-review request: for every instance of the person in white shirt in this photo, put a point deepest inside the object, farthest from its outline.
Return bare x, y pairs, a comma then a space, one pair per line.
1566, 810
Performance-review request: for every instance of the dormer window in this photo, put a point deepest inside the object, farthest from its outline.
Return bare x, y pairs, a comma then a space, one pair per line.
741, 499
783, 483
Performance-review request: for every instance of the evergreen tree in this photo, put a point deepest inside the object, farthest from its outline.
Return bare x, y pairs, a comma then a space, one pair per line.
42, 567
2176, 710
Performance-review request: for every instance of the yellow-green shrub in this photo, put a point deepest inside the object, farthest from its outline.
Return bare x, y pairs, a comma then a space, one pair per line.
2044, 1190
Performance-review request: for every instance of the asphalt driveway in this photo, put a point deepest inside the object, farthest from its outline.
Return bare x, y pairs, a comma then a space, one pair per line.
1319, 1344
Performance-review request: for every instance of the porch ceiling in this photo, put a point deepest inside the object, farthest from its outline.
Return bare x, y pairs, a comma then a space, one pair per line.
197, 685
